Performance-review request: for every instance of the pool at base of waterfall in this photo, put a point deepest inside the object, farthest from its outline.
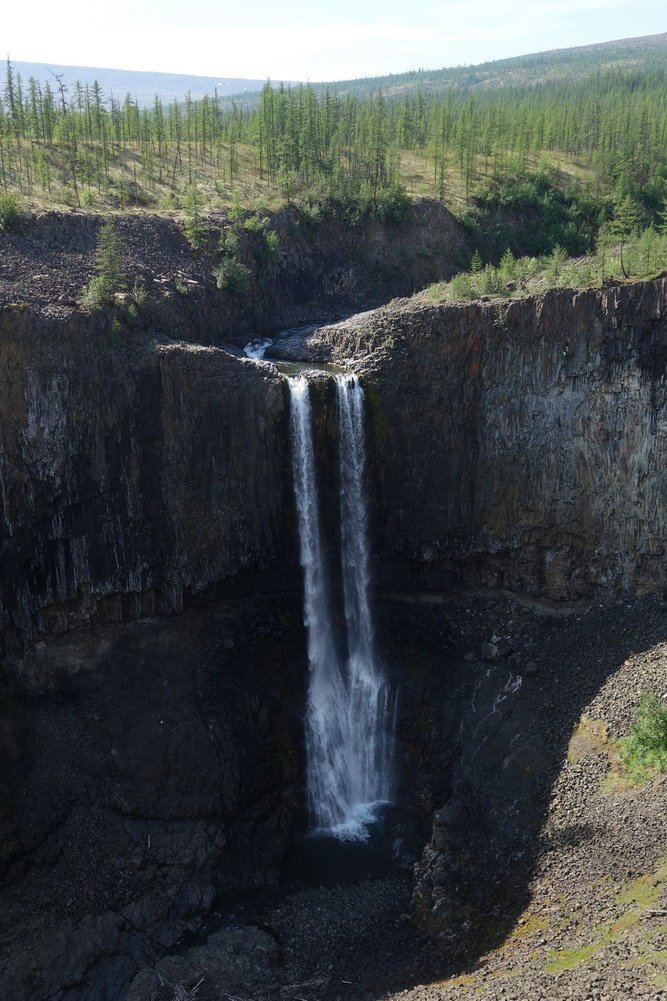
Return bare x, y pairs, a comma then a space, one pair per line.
361, 821
324, 858
318, 859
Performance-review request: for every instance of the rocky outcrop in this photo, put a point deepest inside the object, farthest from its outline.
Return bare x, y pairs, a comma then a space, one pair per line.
133, 477
519, 445
325, 267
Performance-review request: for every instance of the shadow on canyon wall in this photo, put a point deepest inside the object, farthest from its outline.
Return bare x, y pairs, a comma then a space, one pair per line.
162, 771
484, 743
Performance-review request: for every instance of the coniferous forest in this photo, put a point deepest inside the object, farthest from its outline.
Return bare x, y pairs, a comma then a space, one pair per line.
566, 150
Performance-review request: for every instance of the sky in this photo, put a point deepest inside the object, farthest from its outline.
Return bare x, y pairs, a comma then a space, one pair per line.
307, 39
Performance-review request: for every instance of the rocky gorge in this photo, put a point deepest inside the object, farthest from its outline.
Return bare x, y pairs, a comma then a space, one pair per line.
154, 660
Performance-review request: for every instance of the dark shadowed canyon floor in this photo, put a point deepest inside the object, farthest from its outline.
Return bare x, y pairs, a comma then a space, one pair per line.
584, 911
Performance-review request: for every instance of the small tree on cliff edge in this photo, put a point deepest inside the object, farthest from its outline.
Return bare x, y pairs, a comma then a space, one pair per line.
625, 224
109, 265
109, 256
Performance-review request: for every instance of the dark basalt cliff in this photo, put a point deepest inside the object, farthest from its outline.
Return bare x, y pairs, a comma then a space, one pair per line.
140, 778
154, 666
528, 454
520, 446
131, 481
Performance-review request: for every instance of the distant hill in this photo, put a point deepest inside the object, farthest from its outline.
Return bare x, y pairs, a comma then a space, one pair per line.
645, 53
142, 86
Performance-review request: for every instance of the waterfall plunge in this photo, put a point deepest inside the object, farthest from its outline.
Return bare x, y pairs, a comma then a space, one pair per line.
349, 740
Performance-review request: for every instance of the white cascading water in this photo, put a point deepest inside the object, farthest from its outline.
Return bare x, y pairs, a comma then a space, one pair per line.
349, 738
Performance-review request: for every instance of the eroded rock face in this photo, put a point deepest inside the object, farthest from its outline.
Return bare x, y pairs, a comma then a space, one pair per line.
131, 481
523, 449
160, 767
324, 268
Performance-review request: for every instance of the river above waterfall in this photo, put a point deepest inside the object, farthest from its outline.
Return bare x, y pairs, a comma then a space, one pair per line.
258, 349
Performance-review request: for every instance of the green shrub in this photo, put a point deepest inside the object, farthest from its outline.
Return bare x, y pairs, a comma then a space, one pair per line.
500, 317
11, 215
97, 293
392, 205
109, 255
526, 267
195, 231
508, 265
236, 212
139, 292
254, 223
266, 247
272, 242
266, 242
232, 275
489, 281
312, 211
461, 287
476, 263
557, 259
644, 751
228, 244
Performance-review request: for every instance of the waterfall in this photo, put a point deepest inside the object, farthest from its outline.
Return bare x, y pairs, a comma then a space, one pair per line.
349, 740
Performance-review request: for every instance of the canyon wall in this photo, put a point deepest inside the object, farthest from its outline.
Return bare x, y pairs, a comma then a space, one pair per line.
153, 760
132, 478
520, 445
150, 760
325, 266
